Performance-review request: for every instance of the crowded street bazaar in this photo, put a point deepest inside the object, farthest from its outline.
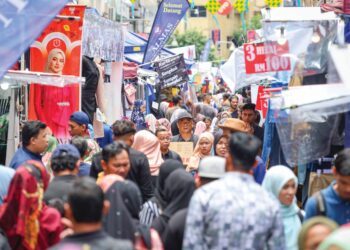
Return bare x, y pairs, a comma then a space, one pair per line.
174, 124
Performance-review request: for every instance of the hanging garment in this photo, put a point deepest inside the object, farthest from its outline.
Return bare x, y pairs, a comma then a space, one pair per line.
88, 95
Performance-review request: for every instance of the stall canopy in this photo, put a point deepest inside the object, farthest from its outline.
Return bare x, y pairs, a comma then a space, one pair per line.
135, 46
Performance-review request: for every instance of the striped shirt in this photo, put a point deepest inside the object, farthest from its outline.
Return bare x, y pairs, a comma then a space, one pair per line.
149, 212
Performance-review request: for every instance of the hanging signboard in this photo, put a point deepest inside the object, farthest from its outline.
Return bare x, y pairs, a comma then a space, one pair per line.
266, 57
172, 71
57, 51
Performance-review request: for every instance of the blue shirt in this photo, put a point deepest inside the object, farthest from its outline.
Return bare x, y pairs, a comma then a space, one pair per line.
84, 169
6, 175
259, 171
22, 155
336, 208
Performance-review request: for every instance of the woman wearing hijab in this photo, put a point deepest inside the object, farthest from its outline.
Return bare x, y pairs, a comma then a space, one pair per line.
282, 183
314, 231
132, 200
201, 127
178, 190
154, 207
137, 116
118, 222
27, 222
146, 142
202, 149
220, 144
146, 238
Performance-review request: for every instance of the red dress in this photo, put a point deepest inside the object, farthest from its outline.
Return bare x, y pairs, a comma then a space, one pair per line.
54, 105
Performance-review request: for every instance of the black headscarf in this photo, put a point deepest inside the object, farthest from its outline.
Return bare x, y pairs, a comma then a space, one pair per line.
131, 196
217, 136
178, 191
166, 168
118, 222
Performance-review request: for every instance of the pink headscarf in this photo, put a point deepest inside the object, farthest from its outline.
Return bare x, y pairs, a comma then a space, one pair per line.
146, 142
200, 128
197, 155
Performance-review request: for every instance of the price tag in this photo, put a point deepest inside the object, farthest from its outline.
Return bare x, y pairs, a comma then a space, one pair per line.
266, 57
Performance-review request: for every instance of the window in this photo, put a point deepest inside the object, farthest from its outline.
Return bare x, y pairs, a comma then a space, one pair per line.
199, 11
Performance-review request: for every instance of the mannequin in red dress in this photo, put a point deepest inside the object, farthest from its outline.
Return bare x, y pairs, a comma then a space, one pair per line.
53, 105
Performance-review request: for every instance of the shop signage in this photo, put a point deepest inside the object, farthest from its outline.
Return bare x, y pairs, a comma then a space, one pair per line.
266, 57
172, 71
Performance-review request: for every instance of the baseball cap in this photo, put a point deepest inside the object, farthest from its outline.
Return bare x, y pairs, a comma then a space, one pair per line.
212, 167
182, 114
235, 125
80, 118
68, 149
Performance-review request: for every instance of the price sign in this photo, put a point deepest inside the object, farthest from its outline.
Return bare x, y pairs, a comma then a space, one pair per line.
266, 57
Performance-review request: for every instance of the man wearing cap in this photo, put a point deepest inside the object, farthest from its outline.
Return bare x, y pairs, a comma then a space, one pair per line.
185, 124
65, 167
210, 169
78, 126
233, 125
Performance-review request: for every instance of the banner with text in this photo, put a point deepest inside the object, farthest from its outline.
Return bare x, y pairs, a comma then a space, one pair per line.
21, 21
57, 51
266, 57
172, 71
169, 14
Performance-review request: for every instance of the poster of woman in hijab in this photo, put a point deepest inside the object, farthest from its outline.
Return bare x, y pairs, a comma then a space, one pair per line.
57, 51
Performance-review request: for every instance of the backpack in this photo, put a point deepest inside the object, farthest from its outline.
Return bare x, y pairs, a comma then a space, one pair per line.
320, 204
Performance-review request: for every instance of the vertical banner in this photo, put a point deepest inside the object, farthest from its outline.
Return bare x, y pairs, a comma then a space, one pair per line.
21, 21
57, 51
262, 101
169, 14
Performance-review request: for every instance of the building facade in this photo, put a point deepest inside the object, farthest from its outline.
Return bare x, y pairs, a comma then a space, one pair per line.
221, 33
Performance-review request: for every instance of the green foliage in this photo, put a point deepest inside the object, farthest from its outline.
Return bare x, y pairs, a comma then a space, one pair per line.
254, 24
193, 37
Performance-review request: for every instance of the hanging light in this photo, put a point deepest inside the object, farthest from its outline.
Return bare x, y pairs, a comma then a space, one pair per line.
4, 85
282, 39
316, 37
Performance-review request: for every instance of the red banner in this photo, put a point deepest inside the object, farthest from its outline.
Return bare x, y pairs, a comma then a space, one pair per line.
58, 51
262, 100
266, 57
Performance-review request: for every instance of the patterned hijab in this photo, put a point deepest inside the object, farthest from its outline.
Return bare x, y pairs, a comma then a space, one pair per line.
20, 213
137, 116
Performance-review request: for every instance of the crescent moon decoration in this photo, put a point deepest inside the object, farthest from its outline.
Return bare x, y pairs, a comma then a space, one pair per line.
42, 46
